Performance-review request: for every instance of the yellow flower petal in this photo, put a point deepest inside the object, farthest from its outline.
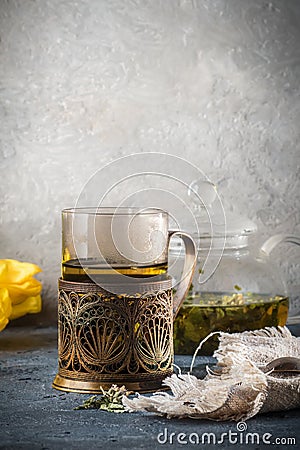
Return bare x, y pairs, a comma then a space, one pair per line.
19, 293
16, 272
20, 290
5, 308
31, 305
17, 277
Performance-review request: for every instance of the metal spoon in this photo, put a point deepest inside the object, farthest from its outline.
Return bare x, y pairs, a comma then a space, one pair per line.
286, 366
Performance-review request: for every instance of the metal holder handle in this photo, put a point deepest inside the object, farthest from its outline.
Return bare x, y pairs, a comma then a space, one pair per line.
188, 269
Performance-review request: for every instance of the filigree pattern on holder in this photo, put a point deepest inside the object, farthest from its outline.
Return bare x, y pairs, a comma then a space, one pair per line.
101, 334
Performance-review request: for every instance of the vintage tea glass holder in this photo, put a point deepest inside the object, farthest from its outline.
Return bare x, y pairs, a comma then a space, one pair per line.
114, 328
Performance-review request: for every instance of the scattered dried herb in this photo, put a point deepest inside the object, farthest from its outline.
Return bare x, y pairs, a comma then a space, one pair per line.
110, 400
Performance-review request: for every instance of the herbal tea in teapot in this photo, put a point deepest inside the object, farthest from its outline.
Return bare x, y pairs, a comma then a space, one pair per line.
208, 312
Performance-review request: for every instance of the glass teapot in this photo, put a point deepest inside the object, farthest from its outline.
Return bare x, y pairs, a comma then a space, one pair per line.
236, 286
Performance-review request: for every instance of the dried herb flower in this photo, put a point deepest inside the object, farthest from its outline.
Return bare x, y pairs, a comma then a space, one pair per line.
110, 400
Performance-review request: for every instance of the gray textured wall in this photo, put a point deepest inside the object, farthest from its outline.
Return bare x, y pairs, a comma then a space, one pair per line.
216, 81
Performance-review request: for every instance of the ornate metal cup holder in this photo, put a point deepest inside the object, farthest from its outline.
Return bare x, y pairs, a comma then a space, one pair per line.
114, 334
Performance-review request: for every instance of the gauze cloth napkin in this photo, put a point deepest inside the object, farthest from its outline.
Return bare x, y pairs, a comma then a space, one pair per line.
239, 387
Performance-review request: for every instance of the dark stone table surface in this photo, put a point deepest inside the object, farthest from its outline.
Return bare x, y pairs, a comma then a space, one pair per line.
35, 416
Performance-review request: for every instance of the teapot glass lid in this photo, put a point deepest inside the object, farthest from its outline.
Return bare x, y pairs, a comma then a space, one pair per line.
211, 216
215, 227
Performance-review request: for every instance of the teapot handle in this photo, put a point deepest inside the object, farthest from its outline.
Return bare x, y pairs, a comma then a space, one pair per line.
267, 248
273, 241
188, 269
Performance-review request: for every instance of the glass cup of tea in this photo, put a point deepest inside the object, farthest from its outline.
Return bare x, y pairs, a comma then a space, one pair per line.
116, 300
102, 244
